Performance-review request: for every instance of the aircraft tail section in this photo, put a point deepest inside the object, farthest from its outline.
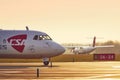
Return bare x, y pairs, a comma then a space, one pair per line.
94, 41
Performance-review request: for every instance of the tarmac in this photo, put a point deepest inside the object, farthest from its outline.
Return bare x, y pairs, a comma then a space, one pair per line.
105, 70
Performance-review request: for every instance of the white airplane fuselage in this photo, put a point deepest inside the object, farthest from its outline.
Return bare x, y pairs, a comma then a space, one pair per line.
27, 44
83, 50
86, 49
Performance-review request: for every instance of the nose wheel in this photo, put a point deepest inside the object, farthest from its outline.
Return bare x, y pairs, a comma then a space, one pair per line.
46, 63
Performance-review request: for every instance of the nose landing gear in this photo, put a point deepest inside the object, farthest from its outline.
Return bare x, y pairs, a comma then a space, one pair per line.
46, 61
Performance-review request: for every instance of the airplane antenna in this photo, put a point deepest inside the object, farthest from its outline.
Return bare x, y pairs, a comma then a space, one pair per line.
27, 28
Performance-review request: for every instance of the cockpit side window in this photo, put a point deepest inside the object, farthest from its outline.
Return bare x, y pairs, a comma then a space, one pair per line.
44, 37
35, 37
41, 37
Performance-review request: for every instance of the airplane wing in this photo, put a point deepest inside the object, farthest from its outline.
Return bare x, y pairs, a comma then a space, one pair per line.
106, 46
70, 47
73, 47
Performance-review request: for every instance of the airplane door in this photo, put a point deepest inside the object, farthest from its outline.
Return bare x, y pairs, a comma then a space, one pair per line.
32, 49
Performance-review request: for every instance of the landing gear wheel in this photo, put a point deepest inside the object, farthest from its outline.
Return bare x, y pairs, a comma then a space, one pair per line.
46, 63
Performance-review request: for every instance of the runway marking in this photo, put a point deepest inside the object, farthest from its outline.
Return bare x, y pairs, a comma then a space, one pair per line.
63, 71
10, 72
116, 67
103, 76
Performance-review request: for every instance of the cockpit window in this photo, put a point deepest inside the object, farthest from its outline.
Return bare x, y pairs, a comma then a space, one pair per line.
41, 37
35, 37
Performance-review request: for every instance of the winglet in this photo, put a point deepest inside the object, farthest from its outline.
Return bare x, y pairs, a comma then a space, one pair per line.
94, 41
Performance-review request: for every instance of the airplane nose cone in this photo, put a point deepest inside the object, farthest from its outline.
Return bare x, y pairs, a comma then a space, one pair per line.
55, 48
59, 49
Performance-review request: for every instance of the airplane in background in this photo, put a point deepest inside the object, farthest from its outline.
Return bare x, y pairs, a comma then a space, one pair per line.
30, 44
86, 49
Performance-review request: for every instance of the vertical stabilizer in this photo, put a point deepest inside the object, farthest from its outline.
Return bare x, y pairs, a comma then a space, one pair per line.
94, 41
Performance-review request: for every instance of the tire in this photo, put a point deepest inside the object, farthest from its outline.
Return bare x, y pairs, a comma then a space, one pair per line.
46, 63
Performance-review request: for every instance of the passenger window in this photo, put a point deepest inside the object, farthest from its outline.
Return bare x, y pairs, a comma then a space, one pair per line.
35, 37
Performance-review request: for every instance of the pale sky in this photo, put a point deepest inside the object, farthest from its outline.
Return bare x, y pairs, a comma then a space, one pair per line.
64, 20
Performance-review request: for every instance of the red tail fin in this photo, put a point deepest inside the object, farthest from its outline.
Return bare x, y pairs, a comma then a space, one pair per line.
94, 41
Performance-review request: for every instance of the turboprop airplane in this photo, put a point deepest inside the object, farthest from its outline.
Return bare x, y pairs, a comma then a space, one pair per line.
28, 44
86, 49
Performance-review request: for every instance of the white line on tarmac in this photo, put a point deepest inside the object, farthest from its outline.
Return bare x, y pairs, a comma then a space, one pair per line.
116, 67
103, 76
